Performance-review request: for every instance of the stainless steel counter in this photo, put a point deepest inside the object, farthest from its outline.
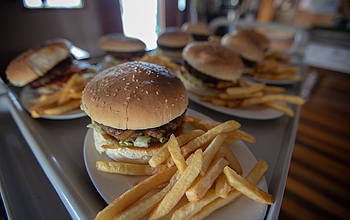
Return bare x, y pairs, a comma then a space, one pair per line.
43, 174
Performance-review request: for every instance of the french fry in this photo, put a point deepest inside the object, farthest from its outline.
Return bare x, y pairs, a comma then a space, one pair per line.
175, 153
208, 136
211, 151
163, 153
61, 109
207, 98
144, 206
65, 90
226, 96
221, 153
241, 135
135, 193
180, 187
218, 102
253, 177
245, 90
75, 94
233, 103
274, 97
60, 102
203, 124
203, 184
233, 162
126, 168
190, 208
273, 89
247, 188
222, 187
280, 107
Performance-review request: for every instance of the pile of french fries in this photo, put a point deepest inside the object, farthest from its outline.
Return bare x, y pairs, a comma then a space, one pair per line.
242, 94
272, 69
198, 166
67, 99
160, 60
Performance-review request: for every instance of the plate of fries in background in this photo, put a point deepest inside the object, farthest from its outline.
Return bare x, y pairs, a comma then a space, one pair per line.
250, 100
59, 105
225, 155
275, 69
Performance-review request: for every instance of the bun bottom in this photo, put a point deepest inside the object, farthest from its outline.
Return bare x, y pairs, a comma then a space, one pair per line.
201, 91
139, 155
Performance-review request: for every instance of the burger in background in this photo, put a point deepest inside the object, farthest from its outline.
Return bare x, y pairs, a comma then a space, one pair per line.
247, 44
120, 49
199, 31
206, 64
46, 67
171, 43
260, 40
135, 106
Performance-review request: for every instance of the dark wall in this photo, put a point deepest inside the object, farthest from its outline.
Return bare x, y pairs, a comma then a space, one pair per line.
22, 28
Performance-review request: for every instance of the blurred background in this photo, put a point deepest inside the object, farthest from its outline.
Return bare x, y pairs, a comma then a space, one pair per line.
30, 22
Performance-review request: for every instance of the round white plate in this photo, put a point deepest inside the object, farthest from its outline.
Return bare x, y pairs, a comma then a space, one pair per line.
272, 81
27, 94
257, 112
111, 186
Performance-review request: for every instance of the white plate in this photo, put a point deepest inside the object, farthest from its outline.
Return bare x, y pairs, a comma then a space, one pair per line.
272, 81
27, 94
111, 186
257, 112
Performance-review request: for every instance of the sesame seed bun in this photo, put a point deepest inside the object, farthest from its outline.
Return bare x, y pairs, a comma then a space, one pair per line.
36, 62
199, 31
260, 40
172, 41
117, 42
243, 45
135, 95
214, 60
174, 37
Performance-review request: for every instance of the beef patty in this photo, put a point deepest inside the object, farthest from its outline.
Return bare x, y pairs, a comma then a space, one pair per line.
157, 133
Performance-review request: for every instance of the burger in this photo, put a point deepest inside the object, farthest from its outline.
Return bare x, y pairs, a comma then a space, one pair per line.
171, 43
46, 67
205, 64
120, 49
134, 107
243, 44
260, 40
199, 31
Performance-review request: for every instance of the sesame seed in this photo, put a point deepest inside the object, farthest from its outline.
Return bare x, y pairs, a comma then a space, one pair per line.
146, 92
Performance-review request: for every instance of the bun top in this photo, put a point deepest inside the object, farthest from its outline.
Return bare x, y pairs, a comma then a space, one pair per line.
256, 37
214, 60
117, 42
135, 95
197, 28
243, 45
36, 62
174, 37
